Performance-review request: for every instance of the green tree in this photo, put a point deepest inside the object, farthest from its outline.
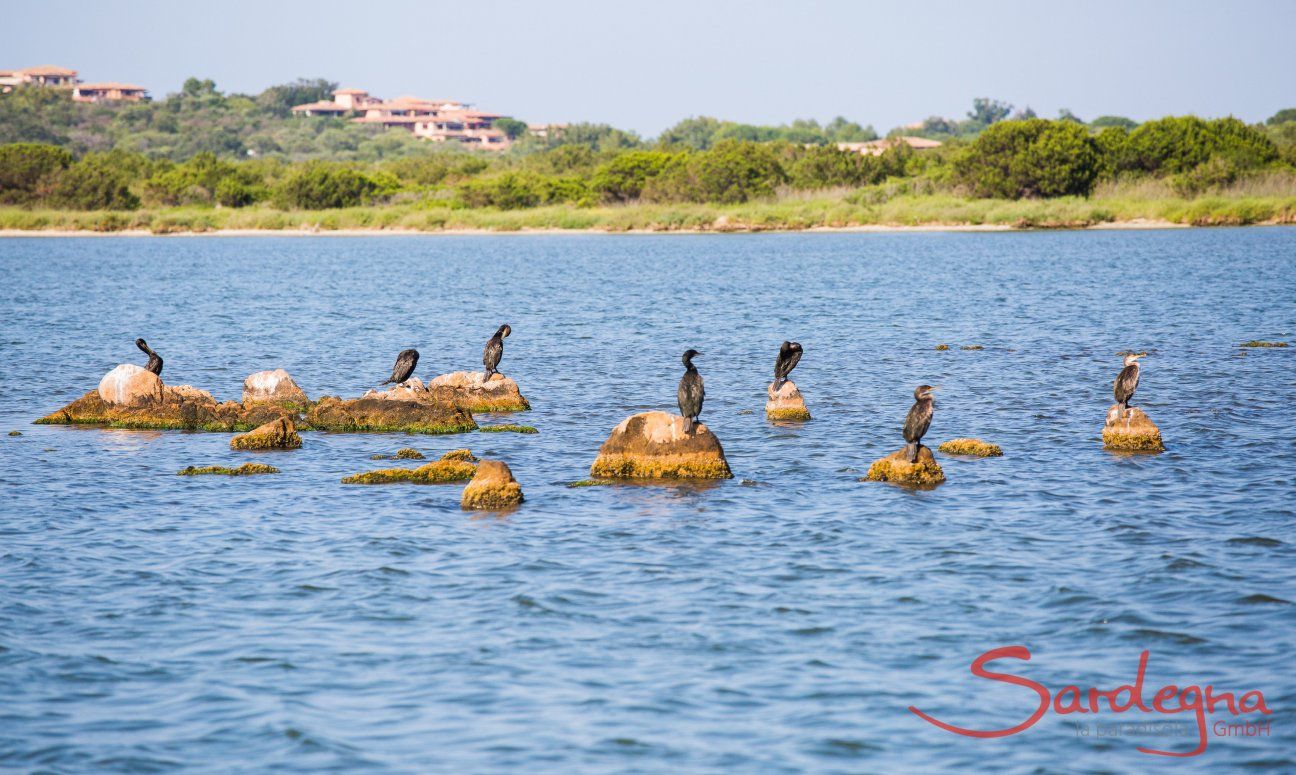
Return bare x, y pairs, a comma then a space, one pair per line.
1282, 117
1102, 122
319, 186
28, 170
1175, 145
99, 181
623, 178
986, 111
280, 99
1031, 158
695, 133
511, 127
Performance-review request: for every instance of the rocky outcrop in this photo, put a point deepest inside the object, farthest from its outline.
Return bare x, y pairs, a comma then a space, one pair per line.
492, 488
897, 469
176, 411
786, 403
130, 385
477, 394
1131, 431
654, 445
273, 387
455, 466
276, 434
970, 448
247, 469
411, 389
389, 415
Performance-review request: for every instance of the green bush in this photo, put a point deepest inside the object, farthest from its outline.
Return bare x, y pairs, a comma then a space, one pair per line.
1175, 145
97, 182
319, 186
28, 169
623, 178
733, 171
1030, 158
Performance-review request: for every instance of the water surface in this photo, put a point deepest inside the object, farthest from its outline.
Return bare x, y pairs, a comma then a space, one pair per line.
781, 621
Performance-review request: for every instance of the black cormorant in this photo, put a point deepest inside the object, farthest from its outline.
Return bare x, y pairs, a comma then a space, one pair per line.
1127, 381
789, 356
154, 361
405, 363
495, 350
918, 420
691, 393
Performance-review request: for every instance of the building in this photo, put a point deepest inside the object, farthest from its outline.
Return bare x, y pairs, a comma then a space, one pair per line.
41, 75
437, 121
109, 92
878, 147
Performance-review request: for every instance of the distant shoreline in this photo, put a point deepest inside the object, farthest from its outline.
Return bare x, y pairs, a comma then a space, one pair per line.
1134, 225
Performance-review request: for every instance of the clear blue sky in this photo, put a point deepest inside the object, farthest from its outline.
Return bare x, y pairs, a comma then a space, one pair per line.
645, 65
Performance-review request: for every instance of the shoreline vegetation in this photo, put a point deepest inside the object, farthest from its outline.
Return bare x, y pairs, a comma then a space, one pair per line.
205, 162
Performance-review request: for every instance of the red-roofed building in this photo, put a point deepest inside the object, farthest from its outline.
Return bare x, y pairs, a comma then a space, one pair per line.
436, 120
109, 92
41, 75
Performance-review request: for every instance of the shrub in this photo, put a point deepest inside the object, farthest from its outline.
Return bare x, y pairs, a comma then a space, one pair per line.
97, 182
623, 178
28, 168
1178, 144
1030, 158
318, 186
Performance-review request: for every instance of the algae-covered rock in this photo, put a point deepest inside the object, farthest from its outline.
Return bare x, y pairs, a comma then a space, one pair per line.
465, 455
247, 469
508, 429
276, 434
1258, 343
15, 433
273, 387
175, 412
376, 414
452, 467
786, 403
130, 385
408, 453
970, 447
1131, 431
478, 394
942, 347
897, 469
492, 487
185, 393
655, 445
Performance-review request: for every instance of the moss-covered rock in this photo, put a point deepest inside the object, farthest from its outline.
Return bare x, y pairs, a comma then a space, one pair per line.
970, 447
388, 415
590, 483
897, 469
177, 411
477, 394
507, 429
15, 433
276, 434
1131, 431
971, 347
454, 466
247, 469
492, 488
786, 403
464, 455
942, 347
654, 445
1258, 343
409, 453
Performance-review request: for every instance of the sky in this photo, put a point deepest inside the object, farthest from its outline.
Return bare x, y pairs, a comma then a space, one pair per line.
646, 65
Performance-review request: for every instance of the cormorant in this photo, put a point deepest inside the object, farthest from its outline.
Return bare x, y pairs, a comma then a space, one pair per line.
789, 356
154, 361
495, 350
918, 420
690, 393
1127, 381
405, 363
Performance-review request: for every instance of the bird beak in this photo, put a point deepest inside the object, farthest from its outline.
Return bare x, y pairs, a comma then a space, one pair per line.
934, 387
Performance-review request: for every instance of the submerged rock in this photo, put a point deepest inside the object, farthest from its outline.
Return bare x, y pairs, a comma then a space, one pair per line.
408, 453
786, 403
452, 467
477, 394
971, 447
654, 445
1131, 431
15, 433
130, 385
465, 455
492, 487
247, 469
897, 469
380, 414
273, 387
276, 434
508, 429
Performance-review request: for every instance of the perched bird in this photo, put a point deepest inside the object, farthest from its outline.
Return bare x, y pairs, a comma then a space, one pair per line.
918, 420
1127, 381
154, 361
691, 393
405, 363
495, 350
789, 356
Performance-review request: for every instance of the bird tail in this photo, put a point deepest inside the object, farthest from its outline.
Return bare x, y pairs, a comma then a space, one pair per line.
911, 451
688, 424
387, 381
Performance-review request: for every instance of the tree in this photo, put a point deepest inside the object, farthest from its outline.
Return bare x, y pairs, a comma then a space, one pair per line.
27, 168
97, 182
318, 186
511, 127
1066, 115
1282, 117
695, 133
986, 111
1024, 114
1175, 145
623, 178
1102, 122
279, 100
1031, 158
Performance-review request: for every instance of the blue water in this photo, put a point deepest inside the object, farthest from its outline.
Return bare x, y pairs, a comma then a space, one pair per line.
782, 621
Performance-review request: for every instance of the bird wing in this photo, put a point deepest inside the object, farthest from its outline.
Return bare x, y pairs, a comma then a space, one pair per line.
1126, 383
492, 354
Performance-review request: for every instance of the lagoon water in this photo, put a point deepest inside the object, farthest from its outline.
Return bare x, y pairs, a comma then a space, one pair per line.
782, 621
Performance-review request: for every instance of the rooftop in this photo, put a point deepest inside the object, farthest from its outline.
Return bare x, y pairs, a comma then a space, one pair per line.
109, 85
46, 70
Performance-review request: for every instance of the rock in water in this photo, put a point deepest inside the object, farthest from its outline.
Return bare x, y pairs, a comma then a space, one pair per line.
276, 434
331, 413
970, 448
897, 469
273, 387
654, 445
130, 385
786, 403
477, 394
1131, 431
492, 488
411, 389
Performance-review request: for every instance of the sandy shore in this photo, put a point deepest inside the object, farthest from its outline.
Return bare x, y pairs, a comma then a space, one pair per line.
869, 229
